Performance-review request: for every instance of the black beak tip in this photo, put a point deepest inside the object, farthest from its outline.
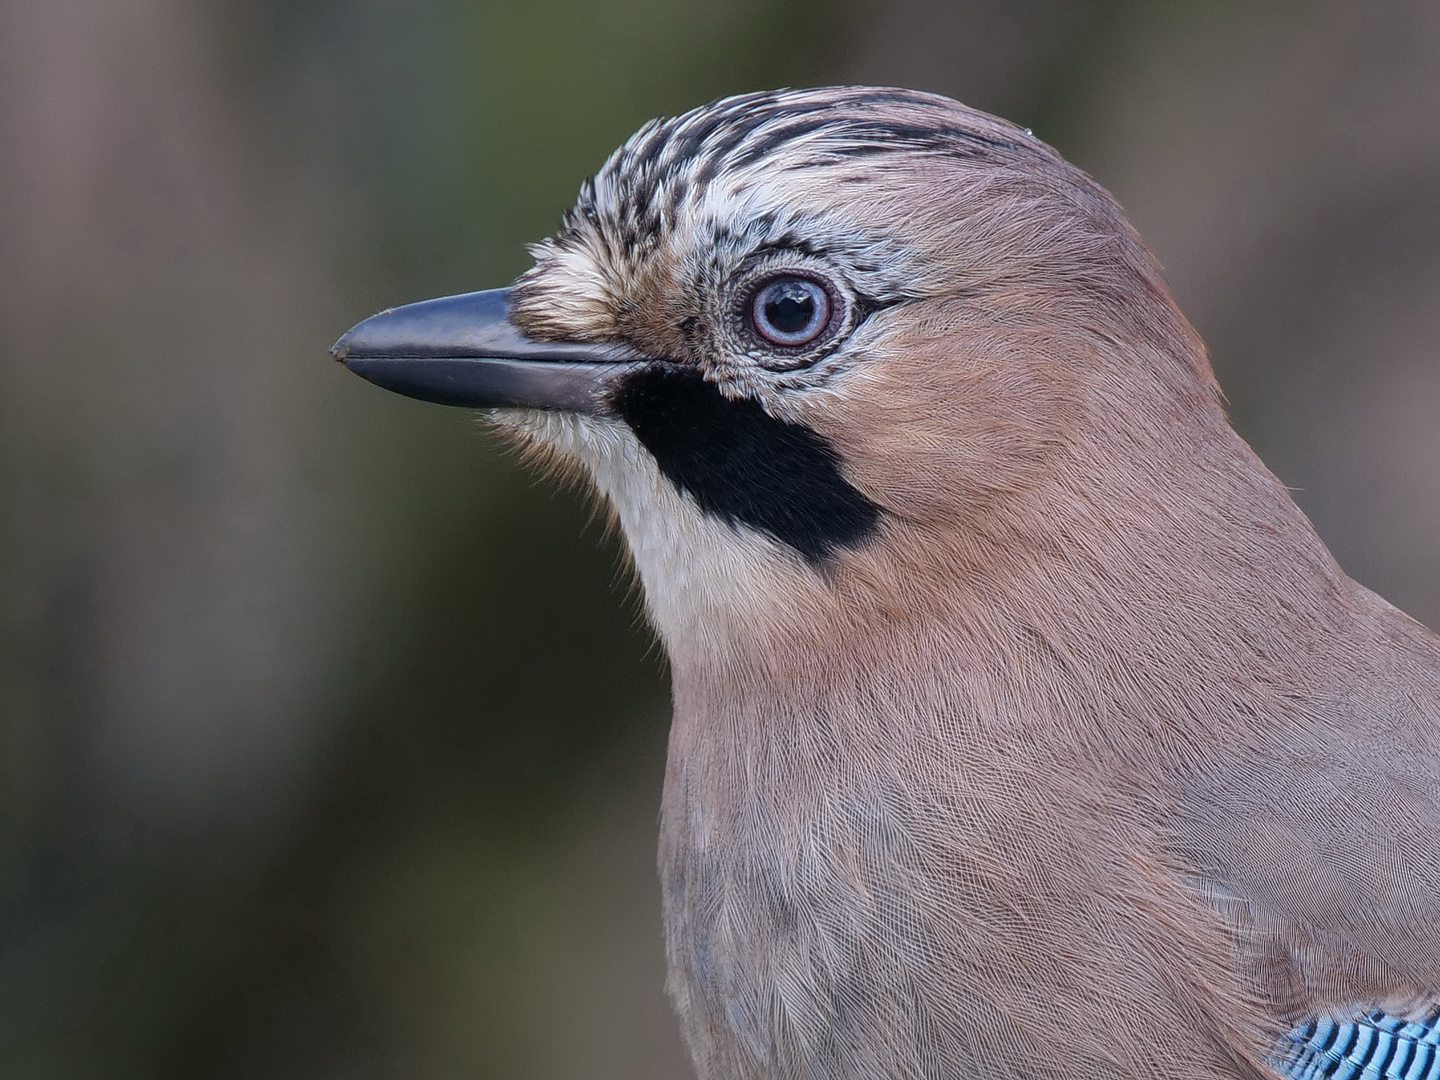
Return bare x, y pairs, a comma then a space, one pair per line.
348, 341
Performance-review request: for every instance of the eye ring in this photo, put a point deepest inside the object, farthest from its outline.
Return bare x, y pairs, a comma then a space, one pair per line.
791, 311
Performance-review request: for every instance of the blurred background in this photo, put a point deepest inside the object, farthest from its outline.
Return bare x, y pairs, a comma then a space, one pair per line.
330, 740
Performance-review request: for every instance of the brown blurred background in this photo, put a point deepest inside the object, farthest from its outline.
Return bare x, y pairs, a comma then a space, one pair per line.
329, 739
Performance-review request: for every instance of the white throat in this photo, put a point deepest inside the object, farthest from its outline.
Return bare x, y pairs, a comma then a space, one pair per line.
708, 584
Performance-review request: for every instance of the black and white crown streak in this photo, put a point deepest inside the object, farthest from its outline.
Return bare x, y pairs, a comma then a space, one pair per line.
673, 159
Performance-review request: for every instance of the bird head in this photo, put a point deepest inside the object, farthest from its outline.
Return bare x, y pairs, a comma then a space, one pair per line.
836, 357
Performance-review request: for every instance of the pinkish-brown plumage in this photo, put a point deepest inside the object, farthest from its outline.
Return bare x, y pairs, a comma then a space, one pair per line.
1086, 760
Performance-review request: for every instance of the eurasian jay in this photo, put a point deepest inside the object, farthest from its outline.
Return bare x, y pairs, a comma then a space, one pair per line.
1023, 727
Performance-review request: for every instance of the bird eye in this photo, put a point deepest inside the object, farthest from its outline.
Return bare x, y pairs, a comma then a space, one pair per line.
790, 311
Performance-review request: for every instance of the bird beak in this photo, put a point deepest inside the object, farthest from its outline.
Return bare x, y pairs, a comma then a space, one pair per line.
464, 350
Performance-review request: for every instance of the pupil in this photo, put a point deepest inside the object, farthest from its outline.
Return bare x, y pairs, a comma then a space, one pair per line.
791, 310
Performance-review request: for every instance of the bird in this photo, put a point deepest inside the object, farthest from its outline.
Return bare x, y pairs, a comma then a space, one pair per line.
1023, 726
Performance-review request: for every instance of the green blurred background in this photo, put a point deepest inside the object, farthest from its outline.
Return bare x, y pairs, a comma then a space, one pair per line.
330, 740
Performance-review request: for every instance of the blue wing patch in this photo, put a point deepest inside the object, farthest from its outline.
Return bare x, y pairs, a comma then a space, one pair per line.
1376, 1046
